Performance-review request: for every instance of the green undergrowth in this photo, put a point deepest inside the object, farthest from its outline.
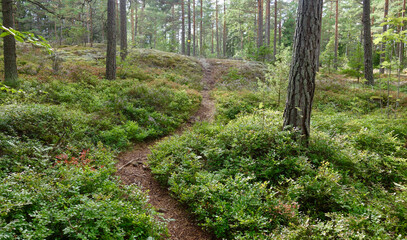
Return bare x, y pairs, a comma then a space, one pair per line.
60, 132
249, 180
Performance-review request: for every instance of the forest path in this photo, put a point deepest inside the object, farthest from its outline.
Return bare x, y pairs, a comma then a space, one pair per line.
133, 169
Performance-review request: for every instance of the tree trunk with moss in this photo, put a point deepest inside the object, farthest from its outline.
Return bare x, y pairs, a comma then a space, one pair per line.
297, 113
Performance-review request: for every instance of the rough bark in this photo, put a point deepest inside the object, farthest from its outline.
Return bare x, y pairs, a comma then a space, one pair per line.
367, 43
336, 35
9, 46
111, 40
123, 29
260, 23
300, 94
182, 27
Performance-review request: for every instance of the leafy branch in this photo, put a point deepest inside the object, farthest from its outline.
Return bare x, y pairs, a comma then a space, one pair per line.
27, 37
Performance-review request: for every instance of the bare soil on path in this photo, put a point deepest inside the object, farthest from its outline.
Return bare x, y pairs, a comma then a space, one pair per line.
133, 169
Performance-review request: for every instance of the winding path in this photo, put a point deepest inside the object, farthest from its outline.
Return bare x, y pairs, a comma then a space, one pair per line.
133, 169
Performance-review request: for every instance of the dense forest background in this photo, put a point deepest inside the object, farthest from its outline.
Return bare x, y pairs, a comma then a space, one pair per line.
238, 28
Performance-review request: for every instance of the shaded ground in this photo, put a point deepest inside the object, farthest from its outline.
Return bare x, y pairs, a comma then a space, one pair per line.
133, 168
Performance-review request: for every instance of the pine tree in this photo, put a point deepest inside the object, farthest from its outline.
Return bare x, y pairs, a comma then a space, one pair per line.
300, 92
111, 40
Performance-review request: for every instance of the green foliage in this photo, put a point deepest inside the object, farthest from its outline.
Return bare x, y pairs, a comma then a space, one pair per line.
327, 57
75, 202
249, 180
58, 140
230, 104
356, 63
277, 76
28, 37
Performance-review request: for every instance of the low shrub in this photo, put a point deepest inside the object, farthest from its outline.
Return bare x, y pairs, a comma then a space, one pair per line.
249, 180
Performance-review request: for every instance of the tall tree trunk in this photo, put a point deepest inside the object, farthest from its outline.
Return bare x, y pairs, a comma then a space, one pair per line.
224, 30
383, 55
182, 27
279, 31
88, 24
201, 49
141, 22
212, 41
111, 40
174, 29
132, 21
217, 30
136, 21
336, 35
300, 93
403, 14
9, 46
260, 23
194, 29
91, 24
117, 19
189, 29
123, 29
268, 23
275, 29
367, 42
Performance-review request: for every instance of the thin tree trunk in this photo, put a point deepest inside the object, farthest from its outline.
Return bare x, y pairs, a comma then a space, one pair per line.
260, 23
132, 21
201, 51
336, 35
123, 29
88, 25
174, 30
194, 29
275, 29
217, 30
9, 46
212, 41
367, 42
189, 29
136, 21
402, 28
279, 32
91, 25
111, 40
117, 19
268, 22
141, 21
297, 113
224, 30
182, 27
383, 55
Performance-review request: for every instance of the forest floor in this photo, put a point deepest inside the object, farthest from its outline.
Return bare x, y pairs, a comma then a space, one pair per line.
133, 168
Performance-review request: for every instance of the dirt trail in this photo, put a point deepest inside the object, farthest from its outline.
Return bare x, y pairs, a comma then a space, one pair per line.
133, 168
